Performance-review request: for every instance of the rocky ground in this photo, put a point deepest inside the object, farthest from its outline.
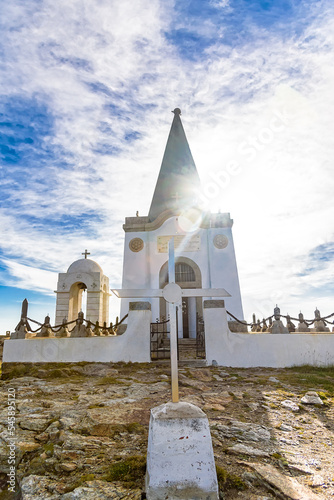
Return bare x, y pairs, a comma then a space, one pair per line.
82, 429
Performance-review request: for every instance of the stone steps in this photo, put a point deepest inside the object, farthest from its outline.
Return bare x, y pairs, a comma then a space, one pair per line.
187, 342
184, 344
184, 363
187, 349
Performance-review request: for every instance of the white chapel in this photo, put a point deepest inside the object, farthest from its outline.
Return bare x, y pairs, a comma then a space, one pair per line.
204, 250
204, 258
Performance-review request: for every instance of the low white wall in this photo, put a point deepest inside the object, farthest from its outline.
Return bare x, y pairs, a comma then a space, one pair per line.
261, 349
133, 345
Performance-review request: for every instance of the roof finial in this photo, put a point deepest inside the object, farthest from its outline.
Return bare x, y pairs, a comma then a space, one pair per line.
85, 254
177, 111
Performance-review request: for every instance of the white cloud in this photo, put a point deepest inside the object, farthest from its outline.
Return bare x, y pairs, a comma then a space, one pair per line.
220, 3
31, 278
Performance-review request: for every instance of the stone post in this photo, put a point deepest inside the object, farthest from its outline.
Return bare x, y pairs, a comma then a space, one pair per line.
216, 327
180, 461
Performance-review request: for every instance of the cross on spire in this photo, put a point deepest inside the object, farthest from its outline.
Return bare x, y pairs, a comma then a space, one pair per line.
86, 253
176, 196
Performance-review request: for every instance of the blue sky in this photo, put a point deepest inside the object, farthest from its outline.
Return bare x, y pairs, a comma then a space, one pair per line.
86, 93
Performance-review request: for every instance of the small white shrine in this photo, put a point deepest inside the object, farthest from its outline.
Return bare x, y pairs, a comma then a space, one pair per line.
84, 275
204, 249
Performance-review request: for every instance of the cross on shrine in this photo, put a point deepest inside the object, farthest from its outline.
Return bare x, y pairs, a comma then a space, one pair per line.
172, 293
86, 253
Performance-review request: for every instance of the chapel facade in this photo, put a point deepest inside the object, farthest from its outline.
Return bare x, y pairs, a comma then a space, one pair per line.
204, 249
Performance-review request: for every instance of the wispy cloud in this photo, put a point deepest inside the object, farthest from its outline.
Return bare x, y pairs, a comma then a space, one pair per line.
31, 278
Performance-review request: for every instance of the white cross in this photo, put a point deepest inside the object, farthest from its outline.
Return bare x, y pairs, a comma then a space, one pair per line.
172, 293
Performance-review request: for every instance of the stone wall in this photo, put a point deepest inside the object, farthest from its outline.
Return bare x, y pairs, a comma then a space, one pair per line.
132, 346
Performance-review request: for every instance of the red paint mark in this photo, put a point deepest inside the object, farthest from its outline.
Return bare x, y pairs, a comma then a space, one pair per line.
182, 437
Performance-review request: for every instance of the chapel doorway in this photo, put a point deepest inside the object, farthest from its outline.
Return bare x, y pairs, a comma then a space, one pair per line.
187, 275
78, 298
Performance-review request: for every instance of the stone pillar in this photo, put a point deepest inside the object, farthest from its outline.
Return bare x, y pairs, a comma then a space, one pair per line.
320, 326
105, 306
216, 328
278, 327
63, 299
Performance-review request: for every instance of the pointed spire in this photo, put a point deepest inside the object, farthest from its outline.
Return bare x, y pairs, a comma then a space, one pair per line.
178, 180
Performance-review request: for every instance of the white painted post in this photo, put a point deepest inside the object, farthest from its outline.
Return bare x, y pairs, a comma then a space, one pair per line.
173, 329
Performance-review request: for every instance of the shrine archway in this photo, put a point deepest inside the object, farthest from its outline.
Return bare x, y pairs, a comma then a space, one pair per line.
75, 300
83, 275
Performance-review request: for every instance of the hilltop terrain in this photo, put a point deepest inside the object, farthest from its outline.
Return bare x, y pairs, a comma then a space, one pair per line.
82, 429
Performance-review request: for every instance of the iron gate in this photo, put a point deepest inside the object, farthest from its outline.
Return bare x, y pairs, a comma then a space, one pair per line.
160, 344
200, 337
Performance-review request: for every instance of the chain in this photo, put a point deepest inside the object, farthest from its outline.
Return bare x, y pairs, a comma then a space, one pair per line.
239, 321
112, 327
308, 322
57, 328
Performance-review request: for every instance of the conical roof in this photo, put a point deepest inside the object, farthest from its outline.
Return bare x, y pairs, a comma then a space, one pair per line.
178, 182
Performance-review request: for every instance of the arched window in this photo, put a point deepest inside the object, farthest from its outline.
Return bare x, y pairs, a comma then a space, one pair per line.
183, 272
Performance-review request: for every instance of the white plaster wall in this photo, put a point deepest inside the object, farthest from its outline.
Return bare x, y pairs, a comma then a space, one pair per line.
260, 349
141, 269
224, 272
133, 345
135, 269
